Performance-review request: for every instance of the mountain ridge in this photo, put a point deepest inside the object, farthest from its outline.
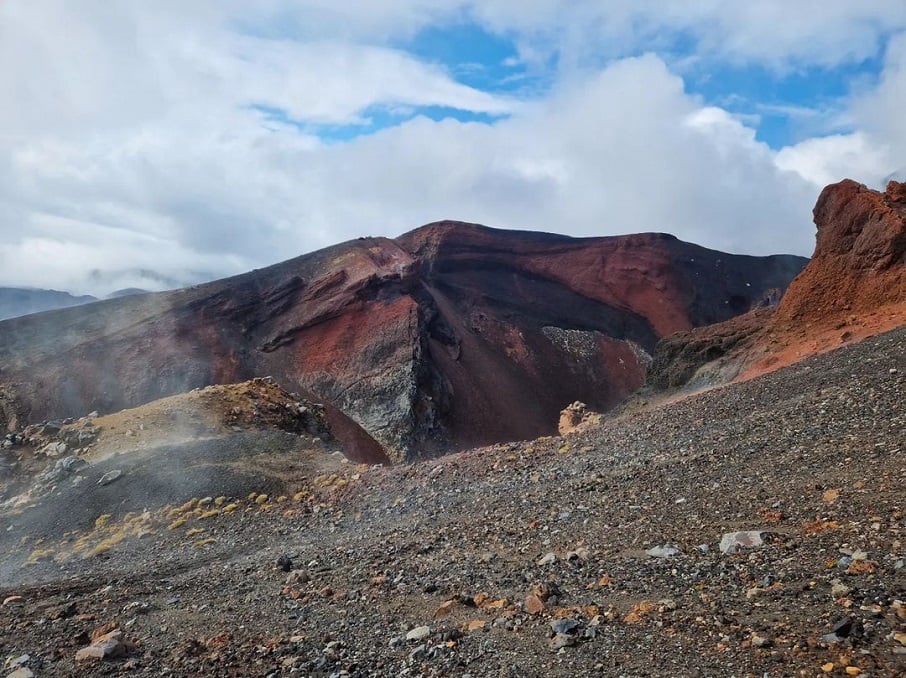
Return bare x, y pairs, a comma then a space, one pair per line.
423, 339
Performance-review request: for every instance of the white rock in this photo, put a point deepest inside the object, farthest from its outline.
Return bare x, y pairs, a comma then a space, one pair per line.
548, 559
419, 633
733, 541
665, 551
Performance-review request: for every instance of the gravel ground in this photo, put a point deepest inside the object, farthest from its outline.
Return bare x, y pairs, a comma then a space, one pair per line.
593, 554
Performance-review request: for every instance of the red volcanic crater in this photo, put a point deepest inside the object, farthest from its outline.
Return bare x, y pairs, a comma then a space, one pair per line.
449, 336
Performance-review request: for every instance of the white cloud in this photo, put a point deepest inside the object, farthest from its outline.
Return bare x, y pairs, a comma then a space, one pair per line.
880, 111
134, 144
832, 158
778, 33
625, 150
877, 149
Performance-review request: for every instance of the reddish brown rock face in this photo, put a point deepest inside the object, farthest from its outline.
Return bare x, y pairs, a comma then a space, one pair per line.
859, 265
854, 287
449, 336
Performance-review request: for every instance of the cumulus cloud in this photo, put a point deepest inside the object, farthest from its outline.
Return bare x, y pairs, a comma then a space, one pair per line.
876, 150
880, 111
829, 159
166, 145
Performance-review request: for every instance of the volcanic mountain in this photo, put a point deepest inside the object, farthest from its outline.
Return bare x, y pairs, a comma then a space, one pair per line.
452, 335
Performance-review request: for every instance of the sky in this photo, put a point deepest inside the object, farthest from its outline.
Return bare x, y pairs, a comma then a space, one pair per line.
159, 144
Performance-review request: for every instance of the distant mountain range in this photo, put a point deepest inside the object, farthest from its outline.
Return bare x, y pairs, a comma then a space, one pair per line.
16, 301
19, 301
450, 336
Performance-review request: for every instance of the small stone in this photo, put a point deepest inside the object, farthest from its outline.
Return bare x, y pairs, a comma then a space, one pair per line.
285, 563
103, 630
106, 647
839, 589
22, 672
827, 668
89, 653
57, 449
666, 605
565, 626
419, 633
418, 653
581, 553
110, 477
560, 641
830, 496
899, 609
548, 559
445, 608
476, 625
843, 627
662, 552
544, 590
533, 605
733, 541
853, 671
759, 640
13, 600
297, 577
21, 660
900, 637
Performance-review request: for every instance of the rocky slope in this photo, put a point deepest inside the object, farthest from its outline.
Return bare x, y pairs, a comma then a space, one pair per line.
853, 287
60, 476
449, 336
754, 530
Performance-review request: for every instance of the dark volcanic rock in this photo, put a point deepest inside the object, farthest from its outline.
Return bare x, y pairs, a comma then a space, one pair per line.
449, 336
679, 358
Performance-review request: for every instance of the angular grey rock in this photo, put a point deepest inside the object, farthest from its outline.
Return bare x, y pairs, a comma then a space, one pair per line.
665, 551
564, 625
759, 640
548, 559
419, 633
560, 641
110, 477
108, 646
733, 541
57, 449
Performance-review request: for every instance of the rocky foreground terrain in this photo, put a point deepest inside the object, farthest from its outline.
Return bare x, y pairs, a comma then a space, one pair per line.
752, 530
